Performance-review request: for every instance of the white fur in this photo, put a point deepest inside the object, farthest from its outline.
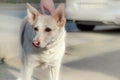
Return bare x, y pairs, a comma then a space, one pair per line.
50, 57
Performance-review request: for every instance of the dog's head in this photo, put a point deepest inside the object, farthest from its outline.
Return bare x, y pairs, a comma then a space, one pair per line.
46, 27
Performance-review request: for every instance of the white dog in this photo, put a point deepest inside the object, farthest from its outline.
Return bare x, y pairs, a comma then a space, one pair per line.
42, 41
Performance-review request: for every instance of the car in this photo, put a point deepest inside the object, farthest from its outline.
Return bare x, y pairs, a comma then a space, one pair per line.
89, 13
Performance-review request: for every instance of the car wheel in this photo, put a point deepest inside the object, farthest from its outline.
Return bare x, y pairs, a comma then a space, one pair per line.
84, 27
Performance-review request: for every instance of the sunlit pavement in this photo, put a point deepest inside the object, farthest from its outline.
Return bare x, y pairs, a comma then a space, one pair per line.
89, 55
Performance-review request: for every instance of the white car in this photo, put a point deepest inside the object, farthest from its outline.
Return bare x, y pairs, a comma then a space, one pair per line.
88, 13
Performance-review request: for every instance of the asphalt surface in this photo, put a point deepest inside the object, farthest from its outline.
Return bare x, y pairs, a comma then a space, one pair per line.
90, 55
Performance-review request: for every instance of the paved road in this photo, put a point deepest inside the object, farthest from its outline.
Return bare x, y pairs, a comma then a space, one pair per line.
90, 55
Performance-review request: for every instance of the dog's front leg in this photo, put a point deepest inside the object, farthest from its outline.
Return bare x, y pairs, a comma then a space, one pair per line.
54, 71
27, 70
27, 73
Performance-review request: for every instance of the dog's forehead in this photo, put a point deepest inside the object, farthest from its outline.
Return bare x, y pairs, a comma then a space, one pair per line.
46, 19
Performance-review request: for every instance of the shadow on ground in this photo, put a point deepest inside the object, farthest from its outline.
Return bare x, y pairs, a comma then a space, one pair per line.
107, 63
5, 73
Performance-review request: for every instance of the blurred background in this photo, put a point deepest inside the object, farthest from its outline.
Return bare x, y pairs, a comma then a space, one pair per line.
31, 1
90, 55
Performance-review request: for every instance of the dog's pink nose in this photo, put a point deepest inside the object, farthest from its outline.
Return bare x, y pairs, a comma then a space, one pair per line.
36, 43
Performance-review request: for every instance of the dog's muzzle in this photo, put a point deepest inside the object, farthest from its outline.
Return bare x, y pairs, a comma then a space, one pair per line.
36, 43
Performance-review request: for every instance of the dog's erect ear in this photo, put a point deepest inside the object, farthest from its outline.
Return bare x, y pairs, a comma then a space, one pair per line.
59, 15
32, 13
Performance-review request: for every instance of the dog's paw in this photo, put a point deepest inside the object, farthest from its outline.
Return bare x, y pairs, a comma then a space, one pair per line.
2, 61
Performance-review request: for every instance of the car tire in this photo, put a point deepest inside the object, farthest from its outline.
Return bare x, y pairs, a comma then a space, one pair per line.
84, 27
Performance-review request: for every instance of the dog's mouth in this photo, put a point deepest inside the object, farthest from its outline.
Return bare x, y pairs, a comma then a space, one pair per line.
36, 44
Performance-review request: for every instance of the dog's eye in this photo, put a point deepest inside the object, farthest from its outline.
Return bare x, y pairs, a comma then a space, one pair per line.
36, 29
47, 29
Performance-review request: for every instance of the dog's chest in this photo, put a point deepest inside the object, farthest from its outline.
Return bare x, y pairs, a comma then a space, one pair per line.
51, 56
47, 57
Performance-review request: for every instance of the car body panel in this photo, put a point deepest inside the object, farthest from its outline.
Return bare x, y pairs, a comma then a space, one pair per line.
106, 11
